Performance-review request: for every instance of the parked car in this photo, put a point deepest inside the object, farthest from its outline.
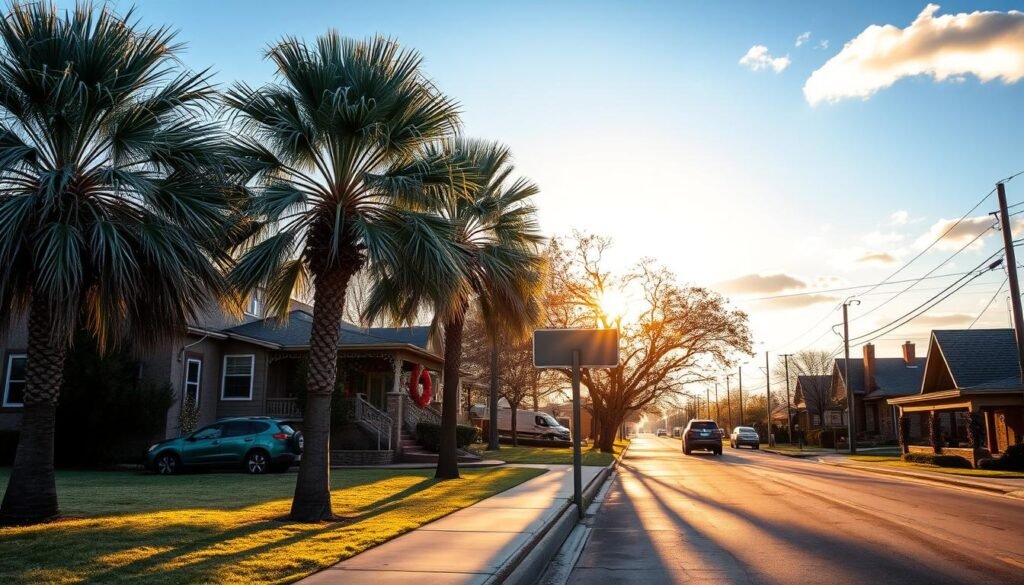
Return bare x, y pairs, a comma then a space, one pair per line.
677, 432
702, 435
529, 424
662, 433
257, 444
744, 436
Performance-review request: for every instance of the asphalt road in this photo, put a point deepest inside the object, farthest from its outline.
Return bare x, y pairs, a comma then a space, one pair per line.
751, 517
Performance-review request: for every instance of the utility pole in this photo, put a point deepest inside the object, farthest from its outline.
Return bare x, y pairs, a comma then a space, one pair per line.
708, 392
789, 411
728, 402
768, 392
850, 406
718, 408
742, 422
1011, 274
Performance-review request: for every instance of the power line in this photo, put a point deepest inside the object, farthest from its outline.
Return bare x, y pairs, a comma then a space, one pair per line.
850, 288
927, 274
990, 301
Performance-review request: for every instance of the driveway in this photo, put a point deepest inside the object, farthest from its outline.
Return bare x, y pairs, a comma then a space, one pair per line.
751, 517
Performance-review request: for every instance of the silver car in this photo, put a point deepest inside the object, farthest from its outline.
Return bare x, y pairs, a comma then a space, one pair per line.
744, 436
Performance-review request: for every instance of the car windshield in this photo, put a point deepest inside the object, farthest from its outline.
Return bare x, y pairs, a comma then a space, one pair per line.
704, 426
745, 430
549, 420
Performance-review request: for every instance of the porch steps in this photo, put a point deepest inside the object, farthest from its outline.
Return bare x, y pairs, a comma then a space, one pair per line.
414, 453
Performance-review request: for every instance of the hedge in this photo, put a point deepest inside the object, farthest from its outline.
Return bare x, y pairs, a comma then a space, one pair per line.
1012, 460
938, 460
429, 435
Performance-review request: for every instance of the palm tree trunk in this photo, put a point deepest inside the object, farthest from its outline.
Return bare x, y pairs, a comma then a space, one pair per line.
492, 426
447, 454
312, 501
31, 495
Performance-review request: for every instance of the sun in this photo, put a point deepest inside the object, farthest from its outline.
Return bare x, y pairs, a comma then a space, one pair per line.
612, 304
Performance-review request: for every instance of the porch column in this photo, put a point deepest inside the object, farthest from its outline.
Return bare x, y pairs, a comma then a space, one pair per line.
395, 401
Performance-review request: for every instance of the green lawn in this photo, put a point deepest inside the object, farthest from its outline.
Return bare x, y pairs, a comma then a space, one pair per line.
225, 528
561, 455
896, 461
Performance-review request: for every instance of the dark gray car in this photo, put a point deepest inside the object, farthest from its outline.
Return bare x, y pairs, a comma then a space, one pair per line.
702, 435
744, 436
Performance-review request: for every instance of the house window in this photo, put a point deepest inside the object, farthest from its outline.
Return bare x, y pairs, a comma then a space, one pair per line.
14, 381
255, 307
193, 373
237, 384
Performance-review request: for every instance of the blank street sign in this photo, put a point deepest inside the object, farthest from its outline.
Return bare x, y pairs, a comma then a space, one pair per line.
599, 348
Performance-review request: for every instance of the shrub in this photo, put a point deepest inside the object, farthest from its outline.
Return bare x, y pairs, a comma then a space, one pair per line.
105, 415
429, 435
1011, 460
937, 460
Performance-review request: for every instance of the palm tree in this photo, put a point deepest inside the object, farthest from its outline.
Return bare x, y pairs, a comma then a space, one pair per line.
495, 238
336, 187
110, 203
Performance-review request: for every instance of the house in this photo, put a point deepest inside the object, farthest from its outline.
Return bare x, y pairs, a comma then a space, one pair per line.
254, 366
969, 371
874, 381
813, 407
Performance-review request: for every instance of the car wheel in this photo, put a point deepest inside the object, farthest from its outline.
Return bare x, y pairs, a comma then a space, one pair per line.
686, 451
757, 447
167, 464
257, 462
297, 442
718, 452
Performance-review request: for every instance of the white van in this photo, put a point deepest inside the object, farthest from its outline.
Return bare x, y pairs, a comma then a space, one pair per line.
529, 424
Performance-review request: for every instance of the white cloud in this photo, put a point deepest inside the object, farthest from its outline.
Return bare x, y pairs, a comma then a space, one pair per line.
803, 38
794, 302
883, 258
958, 236
822, 44
758, 58
988, 45
900, 217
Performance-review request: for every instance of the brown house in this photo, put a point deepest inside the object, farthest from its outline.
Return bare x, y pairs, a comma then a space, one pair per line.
874, 381
253, 367
813, 407
969, 371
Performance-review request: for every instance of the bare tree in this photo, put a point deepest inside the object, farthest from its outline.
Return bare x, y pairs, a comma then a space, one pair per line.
670, 337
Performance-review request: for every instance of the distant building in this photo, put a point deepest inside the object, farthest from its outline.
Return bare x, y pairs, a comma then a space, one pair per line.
874, 381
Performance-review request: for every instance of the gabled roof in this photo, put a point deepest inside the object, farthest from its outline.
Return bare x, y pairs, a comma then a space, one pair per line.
805, 383
893, 376
296, 333
980, 357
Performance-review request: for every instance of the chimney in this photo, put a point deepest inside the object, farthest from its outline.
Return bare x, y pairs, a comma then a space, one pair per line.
908, 354
869, 367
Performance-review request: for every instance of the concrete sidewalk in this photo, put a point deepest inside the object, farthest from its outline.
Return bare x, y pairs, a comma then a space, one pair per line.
465, 547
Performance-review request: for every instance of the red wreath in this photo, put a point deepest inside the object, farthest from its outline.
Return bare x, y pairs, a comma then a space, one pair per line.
420, 375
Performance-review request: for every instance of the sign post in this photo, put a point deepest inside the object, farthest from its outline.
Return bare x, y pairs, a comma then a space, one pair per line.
576, 349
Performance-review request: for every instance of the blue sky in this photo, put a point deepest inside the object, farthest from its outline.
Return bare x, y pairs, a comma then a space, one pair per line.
639, 122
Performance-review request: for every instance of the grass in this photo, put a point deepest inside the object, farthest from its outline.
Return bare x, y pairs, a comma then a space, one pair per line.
554, 455
225, 528
896, 461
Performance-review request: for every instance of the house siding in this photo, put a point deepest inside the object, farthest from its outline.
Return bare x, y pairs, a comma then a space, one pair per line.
255, 406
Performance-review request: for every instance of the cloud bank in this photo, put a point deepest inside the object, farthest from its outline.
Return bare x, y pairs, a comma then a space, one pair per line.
988, 45
758, 284
758, 58
958, 236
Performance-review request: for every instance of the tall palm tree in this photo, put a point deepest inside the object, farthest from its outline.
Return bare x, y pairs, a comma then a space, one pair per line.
495, 239
110, 203
336, 187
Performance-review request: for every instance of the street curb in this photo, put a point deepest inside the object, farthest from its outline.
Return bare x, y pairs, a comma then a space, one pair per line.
928, 478
528, 564
793, 454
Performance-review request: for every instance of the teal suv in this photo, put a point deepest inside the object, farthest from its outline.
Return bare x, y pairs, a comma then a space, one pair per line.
257, 444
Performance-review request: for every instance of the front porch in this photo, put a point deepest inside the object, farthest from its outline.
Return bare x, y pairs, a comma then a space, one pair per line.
373, 411
1000, 422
